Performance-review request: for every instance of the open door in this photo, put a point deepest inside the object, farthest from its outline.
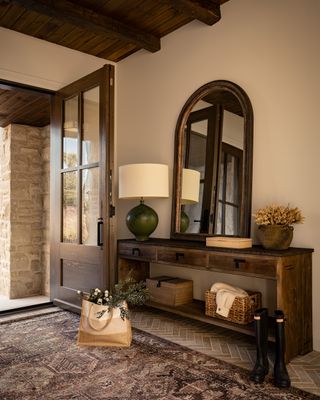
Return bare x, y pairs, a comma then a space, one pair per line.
81, 187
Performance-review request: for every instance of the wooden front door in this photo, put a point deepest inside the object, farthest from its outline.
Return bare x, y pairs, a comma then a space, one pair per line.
81, 187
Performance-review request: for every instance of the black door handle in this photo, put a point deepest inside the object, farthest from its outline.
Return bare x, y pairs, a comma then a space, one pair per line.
99, 232
136, 251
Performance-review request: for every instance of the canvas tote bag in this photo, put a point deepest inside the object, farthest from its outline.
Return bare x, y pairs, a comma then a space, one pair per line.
109, 330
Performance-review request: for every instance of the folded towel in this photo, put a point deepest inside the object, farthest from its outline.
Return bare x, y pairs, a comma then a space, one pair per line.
220, 285
225, 297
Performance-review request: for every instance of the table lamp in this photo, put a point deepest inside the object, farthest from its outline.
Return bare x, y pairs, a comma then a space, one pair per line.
189, 194
140, 181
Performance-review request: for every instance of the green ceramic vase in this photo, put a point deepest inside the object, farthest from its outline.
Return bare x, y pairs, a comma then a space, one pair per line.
142, 221
275, 237
184, 222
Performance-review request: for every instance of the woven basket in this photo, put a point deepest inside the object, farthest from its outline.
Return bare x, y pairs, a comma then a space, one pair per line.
242, 310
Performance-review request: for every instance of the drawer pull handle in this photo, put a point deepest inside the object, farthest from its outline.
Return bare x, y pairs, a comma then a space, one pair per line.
238, 261
136, 250
179, 255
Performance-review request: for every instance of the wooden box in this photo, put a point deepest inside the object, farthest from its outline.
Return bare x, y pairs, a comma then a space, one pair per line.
229, 242
170, 291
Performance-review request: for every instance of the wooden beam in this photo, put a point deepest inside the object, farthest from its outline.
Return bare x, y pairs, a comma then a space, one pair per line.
205, 11
89, 20
21, 87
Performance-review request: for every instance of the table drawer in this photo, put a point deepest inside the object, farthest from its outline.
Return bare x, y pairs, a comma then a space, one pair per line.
138, 251
245, 265
183, 257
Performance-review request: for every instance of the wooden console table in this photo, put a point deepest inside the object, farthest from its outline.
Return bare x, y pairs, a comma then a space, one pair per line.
290, 269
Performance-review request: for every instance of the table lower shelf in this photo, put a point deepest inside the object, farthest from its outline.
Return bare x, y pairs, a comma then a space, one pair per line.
196, 310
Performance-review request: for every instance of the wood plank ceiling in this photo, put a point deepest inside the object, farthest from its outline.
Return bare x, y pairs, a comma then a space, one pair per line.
110, 29
23, 107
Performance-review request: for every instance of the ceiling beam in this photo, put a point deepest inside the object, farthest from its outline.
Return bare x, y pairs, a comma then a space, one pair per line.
206, 11
84, 18
21, 87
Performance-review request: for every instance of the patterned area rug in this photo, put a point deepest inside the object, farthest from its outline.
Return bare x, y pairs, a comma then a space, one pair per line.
39, 359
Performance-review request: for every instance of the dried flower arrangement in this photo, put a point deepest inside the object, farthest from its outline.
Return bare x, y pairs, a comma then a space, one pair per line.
134, 293
278, 215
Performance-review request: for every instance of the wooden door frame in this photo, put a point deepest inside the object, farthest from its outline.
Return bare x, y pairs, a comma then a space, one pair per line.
22, 87
106, 74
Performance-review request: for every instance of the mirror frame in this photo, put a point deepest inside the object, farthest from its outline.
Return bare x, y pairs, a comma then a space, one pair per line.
246, 192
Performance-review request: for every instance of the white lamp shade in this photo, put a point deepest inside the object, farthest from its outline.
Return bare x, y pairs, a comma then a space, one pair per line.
190, 186
143, 180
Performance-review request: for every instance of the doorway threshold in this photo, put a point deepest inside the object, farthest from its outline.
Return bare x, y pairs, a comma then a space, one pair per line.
12, 305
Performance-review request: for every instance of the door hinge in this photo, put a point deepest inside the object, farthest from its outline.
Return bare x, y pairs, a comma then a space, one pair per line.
112, 210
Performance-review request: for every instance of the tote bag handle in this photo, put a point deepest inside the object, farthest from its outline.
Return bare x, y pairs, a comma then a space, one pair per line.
107, 321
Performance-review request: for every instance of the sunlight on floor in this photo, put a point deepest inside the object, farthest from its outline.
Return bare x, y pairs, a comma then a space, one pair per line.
7, 304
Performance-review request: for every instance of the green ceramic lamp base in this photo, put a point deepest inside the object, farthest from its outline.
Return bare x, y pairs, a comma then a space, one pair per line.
184, 222
142, 220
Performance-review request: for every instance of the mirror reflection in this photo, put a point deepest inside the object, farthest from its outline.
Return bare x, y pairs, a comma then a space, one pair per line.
214, 138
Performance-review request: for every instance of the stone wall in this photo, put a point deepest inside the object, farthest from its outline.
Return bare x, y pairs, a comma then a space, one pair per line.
45, 255
5, 211
29, 212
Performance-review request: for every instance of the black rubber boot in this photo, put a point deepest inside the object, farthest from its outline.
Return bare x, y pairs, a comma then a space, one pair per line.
281, 376
261, 367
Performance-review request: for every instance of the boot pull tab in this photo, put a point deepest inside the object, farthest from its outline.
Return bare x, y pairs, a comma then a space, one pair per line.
279, 316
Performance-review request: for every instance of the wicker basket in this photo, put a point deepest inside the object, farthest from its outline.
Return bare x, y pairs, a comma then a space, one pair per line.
242, 310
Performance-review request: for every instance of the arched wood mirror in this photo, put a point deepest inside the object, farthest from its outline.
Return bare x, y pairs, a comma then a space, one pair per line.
212, 177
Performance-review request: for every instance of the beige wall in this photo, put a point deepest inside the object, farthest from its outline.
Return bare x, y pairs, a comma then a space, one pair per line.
269, 48
38, 63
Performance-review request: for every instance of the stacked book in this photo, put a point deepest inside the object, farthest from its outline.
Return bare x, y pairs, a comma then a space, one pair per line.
231, 242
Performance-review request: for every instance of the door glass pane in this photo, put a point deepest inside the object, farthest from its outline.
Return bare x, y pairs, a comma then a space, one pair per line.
218, 229
194, 213
69, 204
198, 144
90, 134
70, 133
232, 179
231, 218
221, 177
90, 205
